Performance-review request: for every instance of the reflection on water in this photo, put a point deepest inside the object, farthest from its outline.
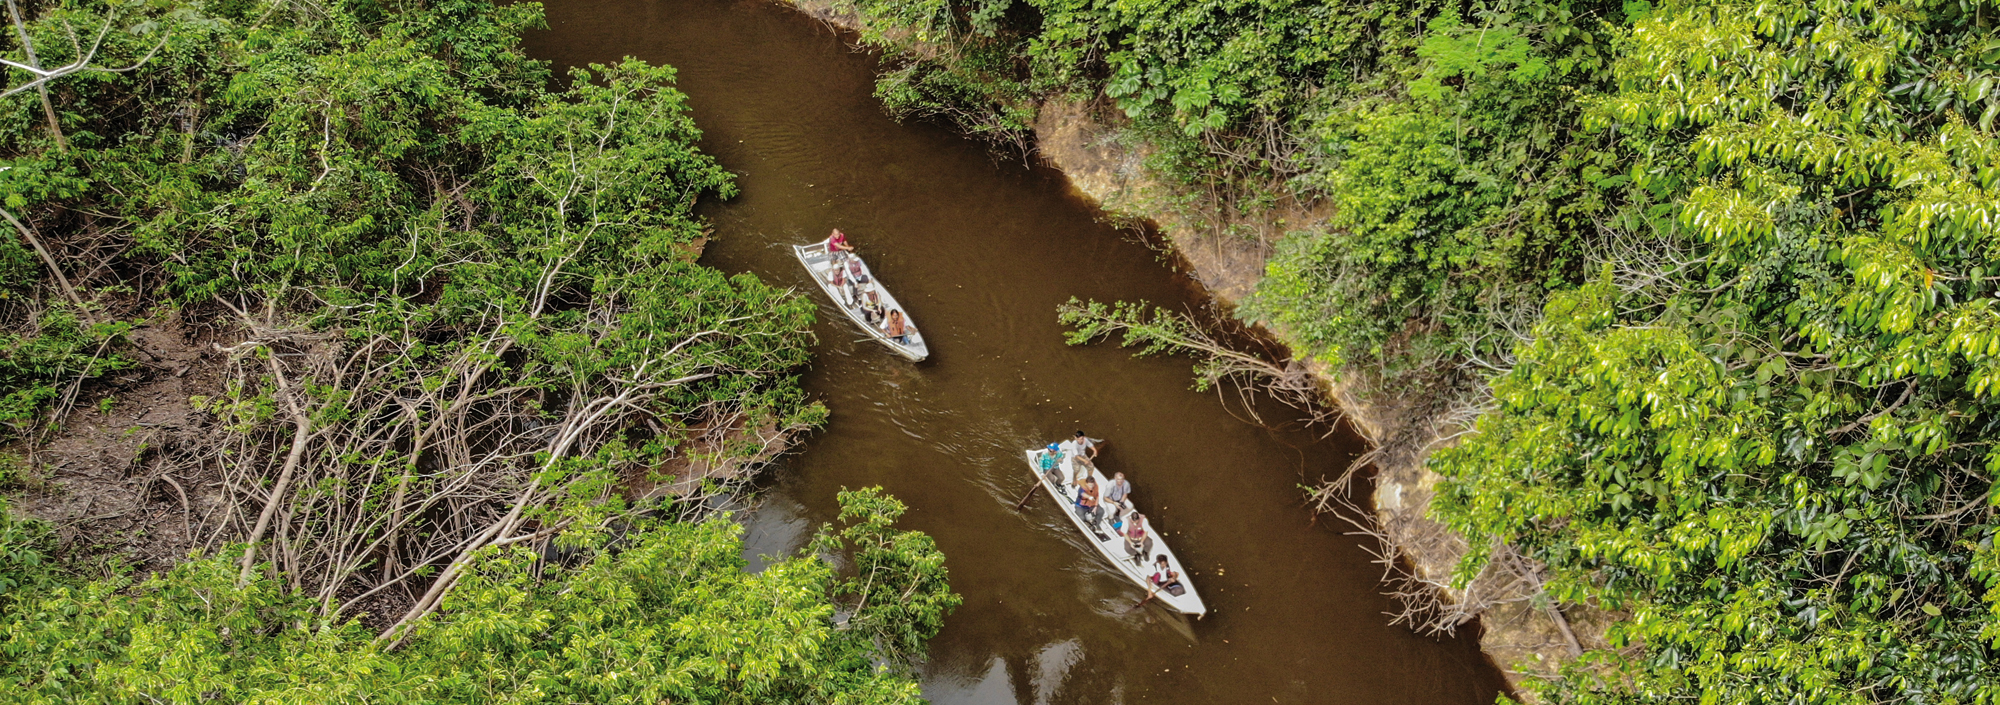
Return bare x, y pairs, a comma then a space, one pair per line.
982, 251
1052, 665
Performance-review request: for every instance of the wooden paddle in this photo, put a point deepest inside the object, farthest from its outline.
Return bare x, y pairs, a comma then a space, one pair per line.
1028, 496
1144, 600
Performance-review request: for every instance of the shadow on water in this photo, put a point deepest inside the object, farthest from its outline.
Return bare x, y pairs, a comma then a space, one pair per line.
982, 251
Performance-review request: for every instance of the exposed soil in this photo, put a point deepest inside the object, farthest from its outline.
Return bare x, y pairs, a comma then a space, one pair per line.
97, 479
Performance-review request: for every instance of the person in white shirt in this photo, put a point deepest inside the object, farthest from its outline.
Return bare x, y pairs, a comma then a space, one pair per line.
1084, 449
1115, 493
1163, 575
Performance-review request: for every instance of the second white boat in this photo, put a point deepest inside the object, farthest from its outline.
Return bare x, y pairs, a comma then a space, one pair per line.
817, 262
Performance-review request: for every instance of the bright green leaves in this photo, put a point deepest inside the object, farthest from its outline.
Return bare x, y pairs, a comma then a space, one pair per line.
1205, 66
1810, 382
25, 570
1679, 479
1135, 87
1455, 50
1866, 465
897, 597
670, 616
59, 349
1610, 429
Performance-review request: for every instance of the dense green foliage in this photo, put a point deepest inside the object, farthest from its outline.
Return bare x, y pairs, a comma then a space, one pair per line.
375, 168
1756, 415
458, 319
46, 361
665, 613
1445, 135
1774, 444
24, 566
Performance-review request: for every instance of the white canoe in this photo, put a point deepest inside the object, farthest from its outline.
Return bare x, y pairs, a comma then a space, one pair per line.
817, 262
1112, 545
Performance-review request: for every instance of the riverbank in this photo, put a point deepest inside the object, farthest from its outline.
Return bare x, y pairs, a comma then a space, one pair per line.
1106, 163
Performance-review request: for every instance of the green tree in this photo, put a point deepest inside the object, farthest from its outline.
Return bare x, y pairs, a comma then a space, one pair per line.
662, 612
1767, 434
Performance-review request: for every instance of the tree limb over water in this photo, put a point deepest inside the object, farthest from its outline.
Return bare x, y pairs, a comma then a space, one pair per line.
1156, 331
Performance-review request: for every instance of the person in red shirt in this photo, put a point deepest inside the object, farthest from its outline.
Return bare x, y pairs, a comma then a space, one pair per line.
836, 244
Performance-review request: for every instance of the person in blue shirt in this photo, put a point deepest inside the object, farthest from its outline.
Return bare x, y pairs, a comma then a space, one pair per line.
1050, 463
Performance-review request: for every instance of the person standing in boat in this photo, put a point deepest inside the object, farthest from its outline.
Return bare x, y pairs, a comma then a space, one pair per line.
1137, 543
896, 329
1085, 450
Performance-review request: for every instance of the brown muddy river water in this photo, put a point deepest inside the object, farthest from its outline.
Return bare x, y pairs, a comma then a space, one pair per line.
982, 250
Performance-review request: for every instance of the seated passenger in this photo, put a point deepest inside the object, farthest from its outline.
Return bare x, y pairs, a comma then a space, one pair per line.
1087, 502
1137, 543
1163, 577
844, 292
1049, 461
871, 308
896, 329
1116, 494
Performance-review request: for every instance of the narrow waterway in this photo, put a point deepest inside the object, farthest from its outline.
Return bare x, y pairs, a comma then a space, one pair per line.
982, 250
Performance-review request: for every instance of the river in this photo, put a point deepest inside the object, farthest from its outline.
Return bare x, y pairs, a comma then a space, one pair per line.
982, 249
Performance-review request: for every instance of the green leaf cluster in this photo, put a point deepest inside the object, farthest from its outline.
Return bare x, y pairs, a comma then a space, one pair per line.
48, 360
379, 168
1768, 436
661, 612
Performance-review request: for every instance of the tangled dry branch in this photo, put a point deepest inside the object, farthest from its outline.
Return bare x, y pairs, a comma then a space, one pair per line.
371, 467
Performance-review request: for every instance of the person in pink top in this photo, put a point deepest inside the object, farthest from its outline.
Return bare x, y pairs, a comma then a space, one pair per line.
836, 244
1137, 543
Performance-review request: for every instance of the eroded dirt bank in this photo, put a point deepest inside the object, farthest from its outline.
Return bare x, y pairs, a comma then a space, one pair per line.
1526, 638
